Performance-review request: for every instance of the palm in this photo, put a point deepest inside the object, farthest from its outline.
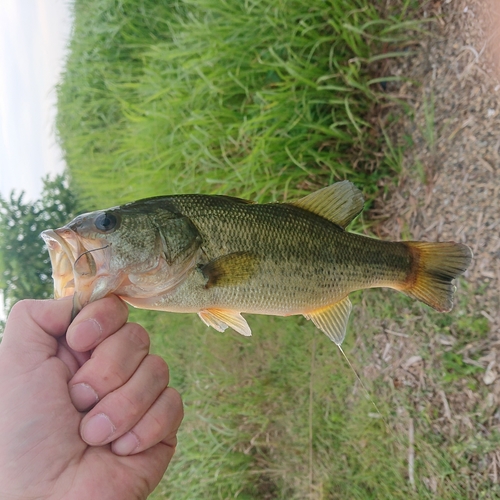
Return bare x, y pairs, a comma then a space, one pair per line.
42, 453
59, 444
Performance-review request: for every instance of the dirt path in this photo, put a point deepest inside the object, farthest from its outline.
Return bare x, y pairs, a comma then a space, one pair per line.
451, 184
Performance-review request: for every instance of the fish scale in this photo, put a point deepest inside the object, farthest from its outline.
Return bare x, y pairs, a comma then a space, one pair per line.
281, 236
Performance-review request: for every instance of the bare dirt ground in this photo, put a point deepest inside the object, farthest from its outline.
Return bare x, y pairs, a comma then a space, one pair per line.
450, 190
451, 184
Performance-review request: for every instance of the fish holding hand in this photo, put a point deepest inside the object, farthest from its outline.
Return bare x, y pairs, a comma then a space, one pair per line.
220, 256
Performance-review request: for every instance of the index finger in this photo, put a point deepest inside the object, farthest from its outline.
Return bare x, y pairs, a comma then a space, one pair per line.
95, 322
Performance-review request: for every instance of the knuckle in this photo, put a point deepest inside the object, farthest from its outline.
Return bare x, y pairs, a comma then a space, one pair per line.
176, 399
23, 307
112, 376
157, 425
171, 441
138, 336
159, 367
110, 312
31, 310
175, 402
130, 406
114, 308
115, 303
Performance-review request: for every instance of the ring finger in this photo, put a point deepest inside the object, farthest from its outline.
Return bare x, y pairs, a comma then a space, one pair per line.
120, 410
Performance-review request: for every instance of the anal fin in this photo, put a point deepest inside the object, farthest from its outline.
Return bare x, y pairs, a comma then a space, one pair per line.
220, 319
332, 320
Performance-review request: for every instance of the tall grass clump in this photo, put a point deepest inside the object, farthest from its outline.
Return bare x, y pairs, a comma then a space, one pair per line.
260, 98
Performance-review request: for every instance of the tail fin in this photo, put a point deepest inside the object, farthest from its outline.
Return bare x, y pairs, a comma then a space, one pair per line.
434, 266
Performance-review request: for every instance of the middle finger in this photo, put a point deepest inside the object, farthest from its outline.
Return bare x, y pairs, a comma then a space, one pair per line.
111, 365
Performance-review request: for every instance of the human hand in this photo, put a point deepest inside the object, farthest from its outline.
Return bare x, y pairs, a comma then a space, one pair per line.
85, 410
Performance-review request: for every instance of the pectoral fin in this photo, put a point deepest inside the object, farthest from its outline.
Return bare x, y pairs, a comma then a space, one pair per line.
231, 269
332, 320
220, 319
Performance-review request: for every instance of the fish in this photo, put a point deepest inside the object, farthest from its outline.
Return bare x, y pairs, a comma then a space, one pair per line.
220, 256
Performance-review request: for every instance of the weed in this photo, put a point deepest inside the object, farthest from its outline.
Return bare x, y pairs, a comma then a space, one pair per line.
455, 367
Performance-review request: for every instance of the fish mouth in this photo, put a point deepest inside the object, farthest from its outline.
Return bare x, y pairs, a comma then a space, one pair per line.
80, 266
62, 257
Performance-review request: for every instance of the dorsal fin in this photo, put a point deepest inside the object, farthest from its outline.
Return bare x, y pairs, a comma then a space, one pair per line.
339, 203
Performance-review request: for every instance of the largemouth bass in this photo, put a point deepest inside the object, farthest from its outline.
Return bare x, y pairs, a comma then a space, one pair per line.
220, 256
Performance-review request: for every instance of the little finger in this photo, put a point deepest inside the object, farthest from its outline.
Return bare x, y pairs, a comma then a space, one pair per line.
159, 424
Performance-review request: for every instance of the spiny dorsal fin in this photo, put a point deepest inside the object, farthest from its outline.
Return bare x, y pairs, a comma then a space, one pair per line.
339, 203
332, 320
220, 319
231, 269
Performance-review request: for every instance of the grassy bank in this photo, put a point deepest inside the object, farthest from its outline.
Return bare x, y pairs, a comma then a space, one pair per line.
268, 100
263, 99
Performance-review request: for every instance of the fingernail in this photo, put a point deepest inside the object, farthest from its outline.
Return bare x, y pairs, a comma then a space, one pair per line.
98, 429
83, 396
87, 334
126, 444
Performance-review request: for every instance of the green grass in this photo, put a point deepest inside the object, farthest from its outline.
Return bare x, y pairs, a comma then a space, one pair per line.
280, 415
271, 416
263, 99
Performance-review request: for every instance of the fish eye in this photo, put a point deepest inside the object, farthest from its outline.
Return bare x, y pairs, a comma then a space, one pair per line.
106, 222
